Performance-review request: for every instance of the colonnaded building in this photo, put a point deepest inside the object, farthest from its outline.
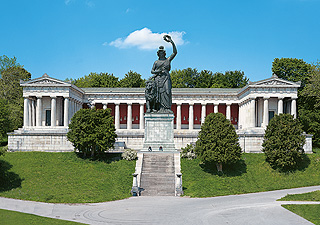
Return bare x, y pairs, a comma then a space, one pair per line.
49, 105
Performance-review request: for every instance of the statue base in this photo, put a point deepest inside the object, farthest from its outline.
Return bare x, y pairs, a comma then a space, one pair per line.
158, 135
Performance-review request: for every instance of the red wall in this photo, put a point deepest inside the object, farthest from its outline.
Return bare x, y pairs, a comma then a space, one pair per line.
135, 113
234, 113
174, 110
196, 113
184, 113
222, 109
123, 113
209, 109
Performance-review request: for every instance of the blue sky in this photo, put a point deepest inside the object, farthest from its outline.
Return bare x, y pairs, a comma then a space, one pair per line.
71, 38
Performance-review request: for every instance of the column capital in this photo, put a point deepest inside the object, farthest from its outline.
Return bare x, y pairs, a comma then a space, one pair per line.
53, 97
294, 98
203, 104
280, 98
228, 103
191, 103
178, 103
266, 98
129, 103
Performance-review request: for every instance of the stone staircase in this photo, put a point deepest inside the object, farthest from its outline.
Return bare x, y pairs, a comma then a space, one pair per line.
158, 175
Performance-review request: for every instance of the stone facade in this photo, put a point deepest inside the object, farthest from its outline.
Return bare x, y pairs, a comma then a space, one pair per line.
49, 105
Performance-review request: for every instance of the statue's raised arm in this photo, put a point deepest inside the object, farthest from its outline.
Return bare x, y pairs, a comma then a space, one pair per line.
167, 38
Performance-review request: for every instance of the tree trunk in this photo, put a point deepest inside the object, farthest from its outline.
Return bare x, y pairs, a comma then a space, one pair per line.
219, 167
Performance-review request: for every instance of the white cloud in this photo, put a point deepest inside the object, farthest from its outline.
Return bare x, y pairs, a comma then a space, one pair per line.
67, 2
90, 4
145, 39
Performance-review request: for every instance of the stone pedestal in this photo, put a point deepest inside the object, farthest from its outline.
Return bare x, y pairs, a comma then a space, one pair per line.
159, 132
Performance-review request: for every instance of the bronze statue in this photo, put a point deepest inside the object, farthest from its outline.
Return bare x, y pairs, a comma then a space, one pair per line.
162, 80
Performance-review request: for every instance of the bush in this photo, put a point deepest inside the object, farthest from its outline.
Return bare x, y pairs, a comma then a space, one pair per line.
218, 141
189, 152
129, 154
283, 142
92, 131
3, 150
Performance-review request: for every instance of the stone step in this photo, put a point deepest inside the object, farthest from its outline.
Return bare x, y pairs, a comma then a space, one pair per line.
158, 175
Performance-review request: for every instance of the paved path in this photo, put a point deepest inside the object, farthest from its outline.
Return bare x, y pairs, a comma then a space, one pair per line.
257, 208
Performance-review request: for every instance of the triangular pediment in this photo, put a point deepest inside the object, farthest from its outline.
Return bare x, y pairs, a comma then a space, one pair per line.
275, 81
45, 80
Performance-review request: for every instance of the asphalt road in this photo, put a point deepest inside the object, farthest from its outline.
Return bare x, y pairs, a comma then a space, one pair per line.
256, 209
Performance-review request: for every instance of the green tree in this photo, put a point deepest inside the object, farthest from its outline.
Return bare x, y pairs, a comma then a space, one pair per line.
218, 141
309, 111
11, 91
4, 119
186, 78
191, 78
96, 80
291, 69
92, 131
6, 62
132, 79
230, 79
283, 142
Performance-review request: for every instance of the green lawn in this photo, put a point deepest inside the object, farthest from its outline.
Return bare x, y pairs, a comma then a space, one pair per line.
18, 218
64, 177
309, 212
310, 196
251, 174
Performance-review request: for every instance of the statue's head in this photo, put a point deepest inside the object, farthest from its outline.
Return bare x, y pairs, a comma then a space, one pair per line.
161, 52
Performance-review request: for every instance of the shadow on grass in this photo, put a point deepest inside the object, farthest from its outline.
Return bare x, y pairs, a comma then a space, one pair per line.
106, 157
9, 180
302, 165
229, 170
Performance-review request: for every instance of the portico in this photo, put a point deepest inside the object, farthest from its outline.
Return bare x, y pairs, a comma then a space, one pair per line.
49, 105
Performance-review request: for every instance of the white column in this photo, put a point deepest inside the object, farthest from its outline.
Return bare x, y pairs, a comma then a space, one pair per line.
39, 111
26, 111
66, 112
265, 112
141, 119
53, 111
294, 107
178, 120
253, 112
105, 106
190, 116
117, 116
33, 111
216, 107
203, 112
129, 116
30, 112
280, 105
240, 126
228, 111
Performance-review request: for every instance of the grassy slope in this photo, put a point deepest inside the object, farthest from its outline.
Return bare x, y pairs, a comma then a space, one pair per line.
63, 178
18, 218
252, 174
310, 196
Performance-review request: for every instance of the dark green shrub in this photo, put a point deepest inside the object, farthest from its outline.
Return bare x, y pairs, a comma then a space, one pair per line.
218, 141
283, 142
92, 131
